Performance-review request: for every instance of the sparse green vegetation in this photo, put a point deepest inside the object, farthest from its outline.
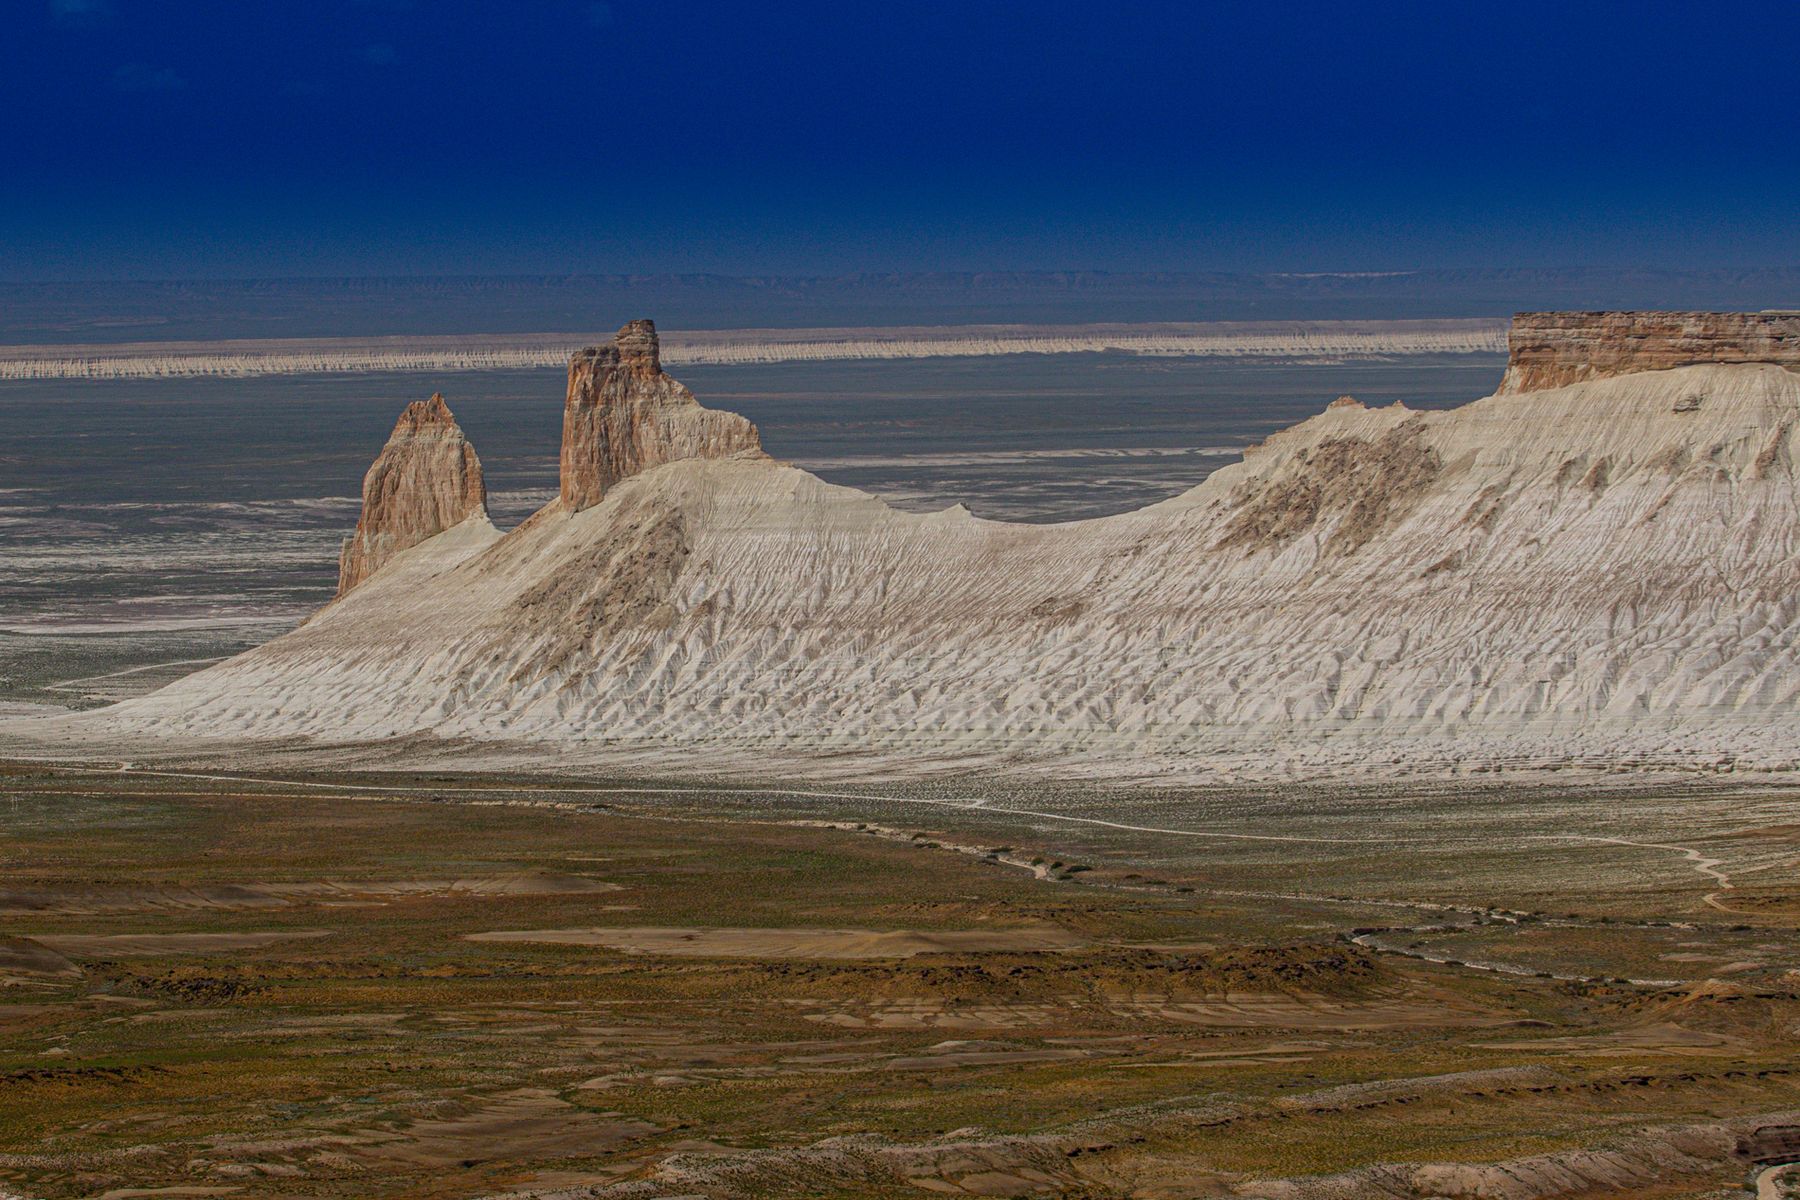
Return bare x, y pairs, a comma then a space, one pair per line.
273, 988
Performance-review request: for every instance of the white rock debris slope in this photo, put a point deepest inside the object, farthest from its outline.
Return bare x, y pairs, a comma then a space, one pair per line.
1601, 574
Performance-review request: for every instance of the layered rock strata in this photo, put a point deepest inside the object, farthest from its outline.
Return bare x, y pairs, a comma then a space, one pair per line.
623, 415
1553, 349
425, 480
1605, 574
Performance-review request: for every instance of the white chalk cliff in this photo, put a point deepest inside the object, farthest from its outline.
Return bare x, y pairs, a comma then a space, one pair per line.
1603, 574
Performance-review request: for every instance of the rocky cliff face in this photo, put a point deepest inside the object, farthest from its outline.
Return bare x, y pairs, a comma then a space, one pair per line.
425, 480
1554, 349
623, 415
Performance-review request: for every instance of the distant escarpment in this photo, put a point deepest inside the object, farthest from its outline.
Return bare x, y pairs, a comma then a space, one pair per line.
1603, 573
1553, 349
425, 480
623, 415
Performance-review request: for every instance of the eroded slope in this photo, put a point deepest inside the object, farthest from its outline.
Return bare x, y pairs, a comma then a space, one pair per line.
1599, 573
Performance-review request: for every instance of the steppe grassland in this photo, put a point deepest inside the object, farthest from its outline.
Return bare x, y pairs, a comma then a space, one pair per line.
363, 1044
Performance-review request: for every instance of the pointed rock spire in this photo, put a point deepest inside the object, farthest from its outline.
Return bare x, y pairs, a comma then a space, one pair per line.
623, 415
425, 480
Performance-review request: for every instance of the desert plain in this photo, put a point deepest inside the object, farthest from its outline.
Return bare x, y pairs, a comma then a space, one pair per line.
261, 983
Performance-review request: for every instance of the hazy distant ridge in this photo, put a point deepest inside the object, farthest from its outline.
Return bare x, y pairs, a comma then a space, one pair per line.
115, 311
503, 352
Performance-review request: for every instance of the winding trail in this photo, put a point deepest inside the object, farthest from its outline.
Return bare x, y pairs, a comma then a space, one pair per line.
1709, 867
1771, 1180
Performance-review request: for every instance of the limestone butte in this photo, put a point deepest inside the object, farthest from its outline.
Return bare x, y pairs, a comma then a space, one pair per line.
425, 480
623, 415
1598, 575
1554, 349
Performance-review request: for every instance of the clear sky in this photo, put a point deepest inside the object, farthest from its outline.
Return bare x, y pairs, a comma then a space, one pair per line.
178, 138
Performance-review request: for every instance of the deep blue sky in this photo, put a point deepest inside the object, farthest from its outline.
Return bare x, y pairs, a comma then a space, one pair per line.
177, 138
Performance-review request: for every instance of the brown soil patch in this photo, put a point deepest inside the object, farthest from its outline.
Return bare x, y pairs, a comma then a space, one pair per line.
1654, 1039
794, 943
152, 945
27, 956
87, 900
528, 1125
1284, 1010
935, 1014
979, 1054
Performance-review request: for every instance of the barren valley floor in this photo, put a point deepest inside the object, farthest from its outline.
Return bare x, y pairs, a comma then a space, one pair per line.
235, 983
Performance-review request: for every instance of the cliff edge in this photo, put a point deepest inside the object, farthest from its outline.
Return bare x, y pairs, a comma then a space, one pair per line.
1555, 349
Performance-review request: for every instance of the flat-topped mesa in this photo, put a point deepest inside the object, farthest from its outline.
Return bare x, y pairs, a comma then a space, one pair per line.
1555, 349
425, 480
623, 415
